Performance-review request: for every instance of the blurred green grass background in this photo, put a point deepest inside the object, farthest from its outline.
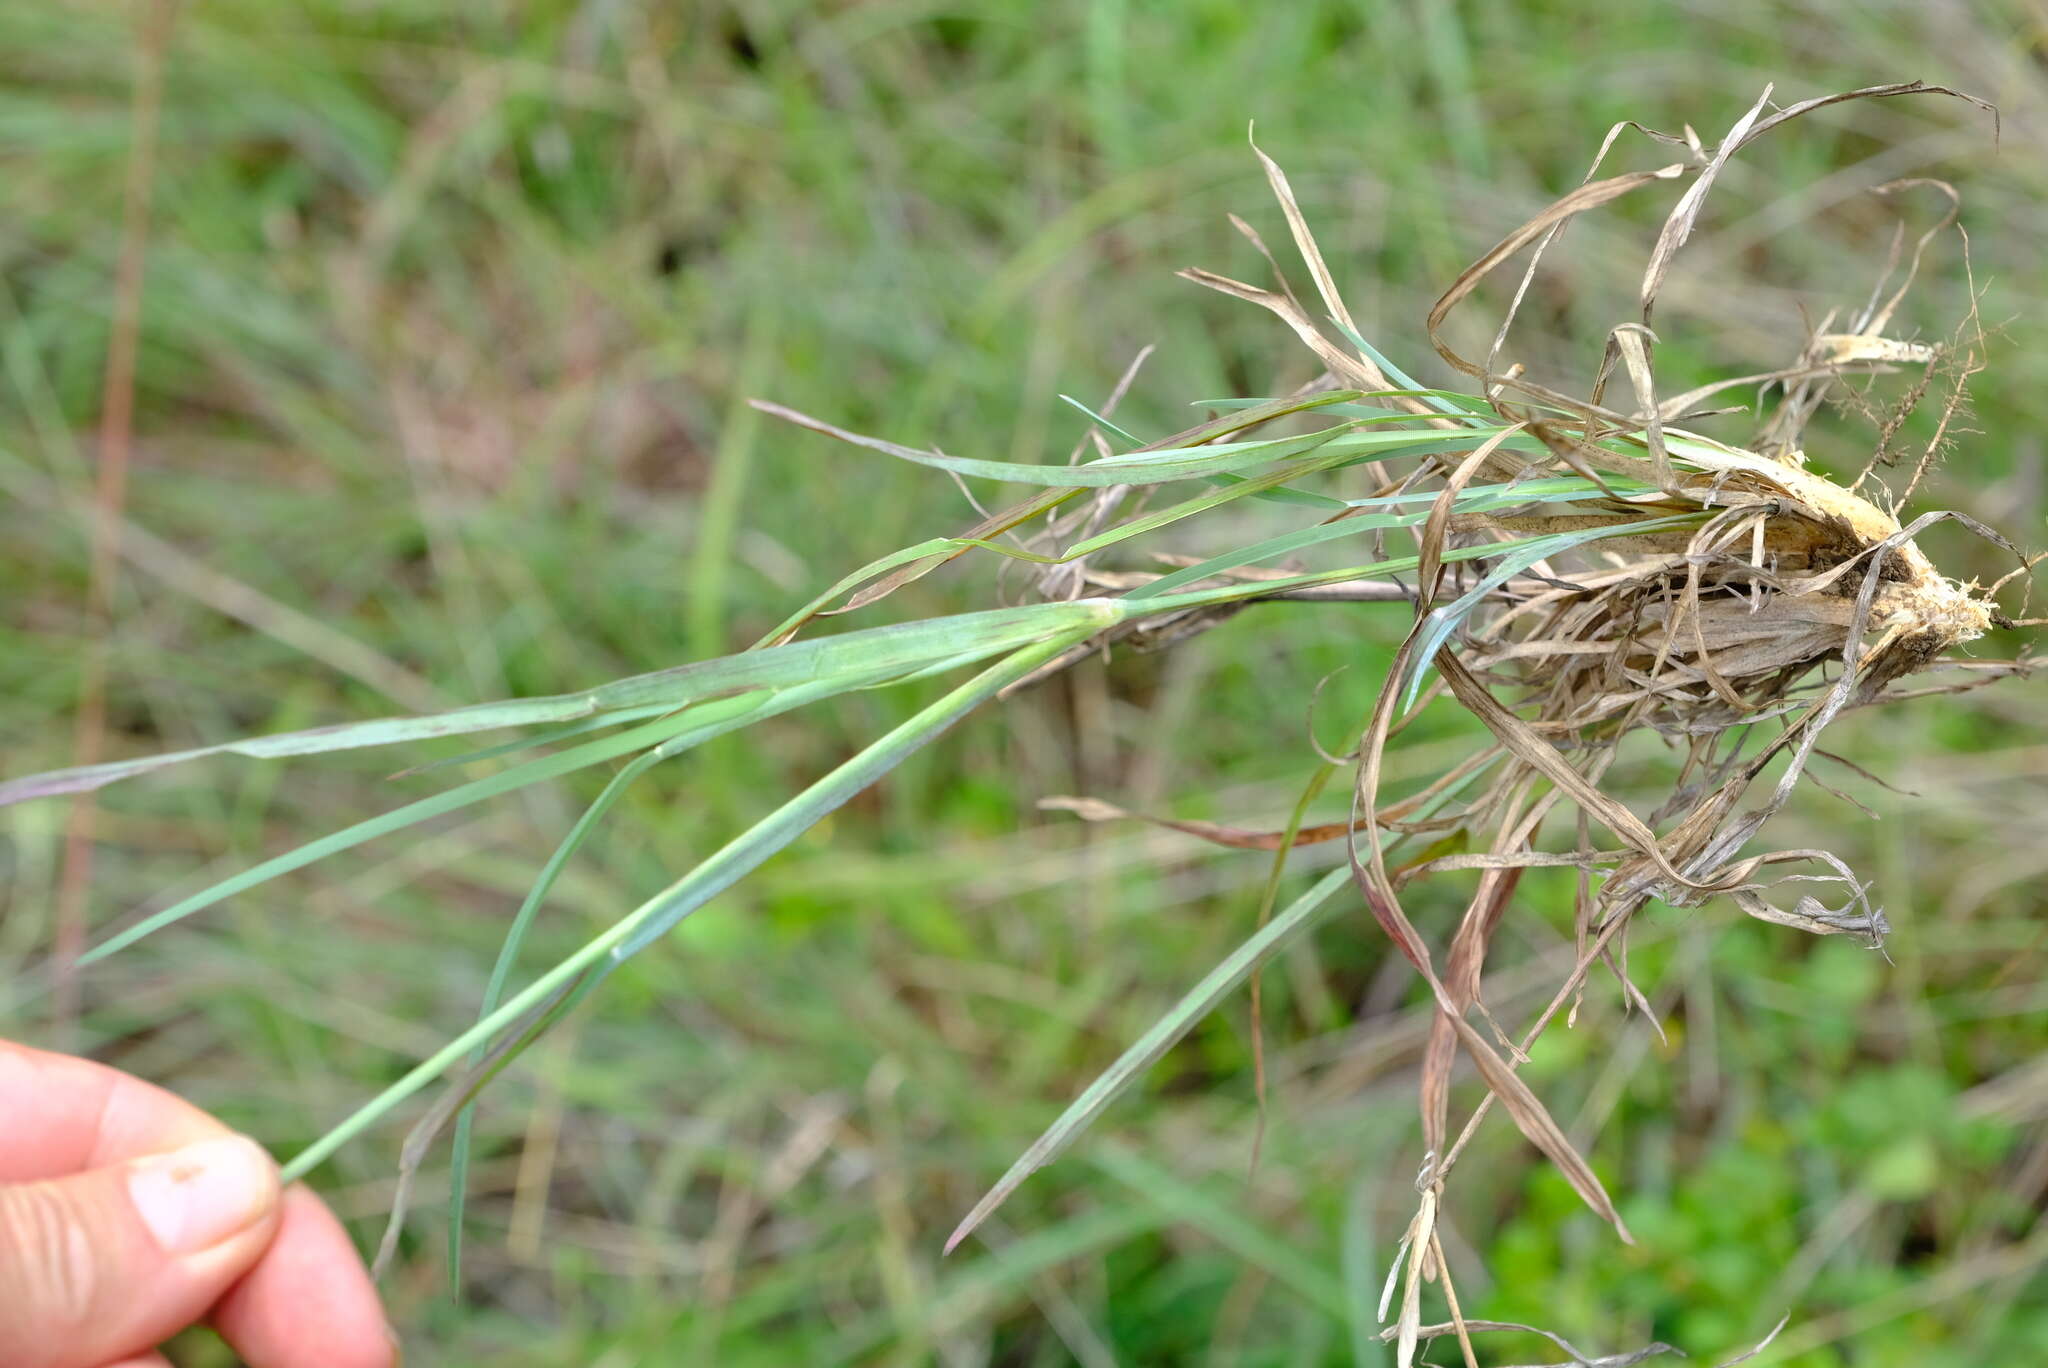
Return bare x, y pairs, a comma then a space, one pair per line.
449, 318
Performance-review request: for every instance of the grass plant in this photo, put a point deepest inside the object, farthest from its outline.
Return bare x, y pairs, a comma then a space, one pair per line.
1584, 573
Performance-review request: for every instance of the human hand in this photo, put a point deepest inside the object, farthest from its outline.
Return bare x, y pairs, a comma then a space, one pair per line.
127, 1214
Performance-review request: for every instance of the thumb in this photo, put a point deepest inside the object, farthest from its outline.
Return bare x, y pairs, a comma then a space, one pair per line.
98, 1265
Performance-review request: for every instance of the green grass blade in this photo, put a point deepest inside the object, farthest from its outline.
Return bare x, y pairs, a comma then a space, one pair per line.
1157, 466
913, 562
1286, 494
1200, 1000
515, 936
936, 549
464, 795
1101, 421
1162, 465
1271, 485
1274, 547
674, 732
1460, 405
1144, 468
1274, 482
907, 646
1483, 498
1440, 400
1234, 593
552, 737
501, 973
1201, 503
717, 873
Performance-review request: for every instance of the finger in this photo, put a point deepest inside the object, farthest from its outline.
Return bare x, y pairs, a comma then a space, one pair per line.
106, 1263
87, 1115
65, 1115
308, 1302
149, 1360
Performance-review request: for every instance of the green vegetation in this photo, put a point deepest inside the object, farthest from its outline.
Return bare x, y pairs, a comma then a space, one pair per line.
447, 334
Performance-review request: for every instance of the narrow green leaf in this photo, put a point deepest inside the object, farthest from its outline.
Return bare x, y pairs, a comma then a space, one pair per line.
1155, 466
714, 875
1142, 468
501, 973
906, 645
1201, 503
539, 741
464, 795
1200, 1000
1461, 405
1285, 494
1480, 499
1442, 401
1101, 421
672, 734
1272, 548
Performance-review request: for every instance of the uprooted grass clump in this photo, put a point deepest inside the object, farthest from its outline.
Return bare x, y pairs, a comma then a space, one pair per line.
1582, 572
1718, 589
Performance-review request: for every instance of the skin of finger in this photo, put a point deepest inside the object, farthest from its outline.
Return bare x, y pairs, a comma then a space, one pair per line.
308, 1303
66, 1115
69, 1114
151, 1360
85, 1295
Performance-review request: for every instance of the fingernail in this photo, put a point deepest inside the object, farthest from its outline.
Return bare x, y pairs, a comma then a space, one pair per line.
192, 1199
